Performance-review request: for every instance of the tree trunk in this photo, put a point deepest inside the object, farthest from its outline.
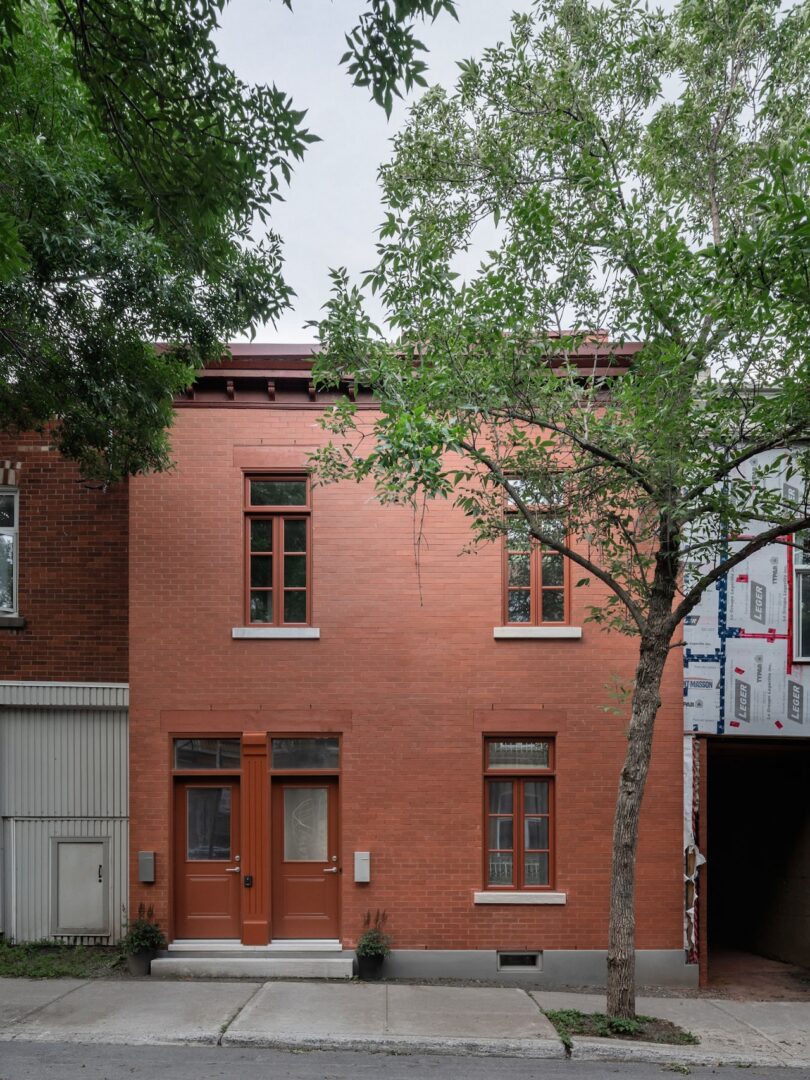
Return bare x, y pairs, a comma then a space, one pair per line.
621, 962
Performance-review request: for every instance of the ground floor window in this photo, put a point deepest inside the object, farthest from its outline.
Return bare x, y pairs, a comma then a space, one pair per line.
518, 782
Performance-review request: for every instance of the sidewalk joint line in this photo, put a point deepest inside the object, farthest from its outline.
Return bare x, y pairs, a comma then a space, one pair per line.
777, 1045
53, 1001
225, 1028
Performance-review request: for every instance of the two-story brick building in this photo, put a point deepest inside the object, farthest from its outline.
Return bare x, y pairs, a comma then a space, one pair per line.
320, 727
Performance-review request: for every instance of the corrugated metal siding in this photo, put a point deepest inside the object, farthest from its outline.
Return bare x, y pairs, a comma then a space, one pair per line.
56, 763
59, 695
31, 887
63, 772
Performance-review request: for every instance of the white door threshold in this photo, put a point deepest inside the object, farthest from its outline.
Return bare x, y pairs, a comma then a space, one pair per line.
236, 946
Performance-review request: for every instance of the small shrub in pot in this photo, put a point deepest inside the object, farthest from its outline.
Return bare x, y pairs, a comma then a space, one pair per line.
373, 945
142, 941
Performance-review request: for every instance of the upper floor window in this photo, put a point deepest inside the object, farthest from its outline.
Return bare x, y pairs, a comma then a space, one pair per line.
277, 538
801, 594
535, 576
9, 510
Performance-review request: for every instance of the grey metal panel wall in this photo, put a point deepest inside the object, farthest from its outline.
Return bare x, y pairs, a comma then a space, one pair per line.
59, 694
28, 915
63, 762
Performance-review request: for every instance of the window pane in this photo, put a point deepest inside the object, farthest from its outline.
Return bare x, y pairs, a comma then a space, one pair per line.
803, 600
518, 754
536, 834
520, 605
500, 796
261, 570
553, 605
305, 753
295, 570
278, 492
295, 536
6, 572
552, 527
535, 796
207, 753
261, 535
208, 819
552, 569
535, 869
6, 510
500, 833
801, 553
517, 533
295, 607
261, 606
518, 569
305, 824
500, 868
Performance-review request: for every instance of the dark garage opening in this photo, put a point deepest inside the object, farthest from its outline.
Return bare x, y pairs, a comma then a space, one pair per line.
758, 851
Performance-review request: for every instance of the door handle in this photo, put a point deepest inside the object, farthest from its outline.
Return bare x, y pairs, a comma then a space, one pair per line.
330, 870
232, 869
99, 873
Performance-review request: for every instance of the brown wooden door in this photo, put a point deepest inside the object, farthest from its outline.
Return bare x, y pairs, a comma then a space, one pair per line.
208, 880
305, 859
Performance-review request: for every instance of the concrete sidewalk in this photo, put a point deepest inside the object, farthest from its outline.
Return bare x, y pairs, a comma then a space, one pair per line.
386, 1016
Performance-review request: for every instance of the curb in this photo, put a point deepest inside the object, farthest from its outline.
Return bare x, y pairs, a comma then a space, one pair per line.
403, 1044
624, 1050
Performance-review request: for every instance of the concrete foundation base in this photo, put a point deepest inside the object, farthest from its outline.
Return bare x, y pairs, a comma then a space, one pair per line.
556, 967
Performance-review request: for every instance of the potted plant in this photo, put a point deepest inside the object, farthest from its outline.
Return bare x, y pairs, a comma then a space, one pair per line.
373, 945
142, 941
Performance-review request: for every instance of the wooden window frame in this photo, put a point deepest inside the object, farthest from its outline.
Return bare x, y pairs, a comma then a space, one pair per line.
518, 777
535, 587
277, 515
14, 532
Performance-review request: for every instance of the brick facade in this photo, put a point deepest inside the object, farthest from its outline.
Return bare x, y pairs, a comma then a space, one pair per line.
407, 671
72, 572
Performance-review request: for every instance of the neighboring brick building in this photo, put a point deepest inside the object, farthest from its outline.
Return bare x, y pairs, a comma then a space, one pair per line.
63, 697
302, 694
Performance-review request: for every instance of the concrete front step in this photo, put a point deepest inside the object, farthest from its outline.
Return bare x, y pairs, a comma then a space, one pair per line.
258, 965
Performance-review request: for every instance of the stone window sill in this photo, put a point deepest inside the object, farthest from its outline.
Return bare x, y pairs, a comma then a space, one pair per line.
545, 632
284, 633
12, 622
520, 898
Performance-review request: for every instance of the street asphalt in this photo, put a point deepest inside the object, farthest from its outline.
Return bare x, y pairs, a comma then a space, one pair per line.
387, 1018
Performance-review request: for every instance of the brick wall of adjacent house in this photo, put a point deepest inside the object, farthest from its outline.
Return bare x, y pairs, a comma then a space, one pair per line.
72, 571
408, 671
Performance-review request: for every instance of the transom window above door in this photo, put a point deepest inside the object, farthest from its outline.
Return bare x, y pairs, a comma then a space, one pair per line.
305, 753
277, 549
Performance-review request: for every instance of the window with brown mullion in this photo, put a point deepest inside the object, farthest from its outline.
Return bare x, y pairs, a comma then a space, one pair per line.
278, 546
536, 575
518, 811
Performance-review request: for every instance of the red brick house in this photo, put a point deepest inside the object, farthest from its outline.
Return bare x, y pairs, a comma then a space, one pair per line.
318, 730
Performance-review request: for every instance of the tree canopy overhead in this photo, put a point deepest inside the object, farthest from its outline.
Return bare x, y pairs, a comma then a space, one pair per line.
134, 169
648, 177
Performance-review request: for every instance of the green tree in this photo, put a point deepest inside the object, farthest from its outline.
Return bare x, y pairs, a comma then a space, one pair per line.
648, 175
134, 168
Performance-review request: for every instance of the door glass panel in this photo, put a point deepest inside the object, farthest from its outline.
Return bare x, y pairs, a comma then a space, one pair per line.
305, 753
305, 824
208, 818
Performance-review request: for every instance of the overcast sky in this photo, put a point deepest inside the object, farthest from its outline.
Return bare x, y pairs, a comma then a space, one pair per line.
332, 207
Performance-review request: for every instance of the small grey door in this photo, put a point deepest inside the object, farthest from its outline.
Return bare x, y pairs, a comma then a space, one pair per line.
79, 893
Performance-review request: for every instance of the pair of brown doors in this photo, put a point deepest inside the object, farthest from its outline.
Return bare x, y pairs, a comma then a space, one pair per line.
210, 878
